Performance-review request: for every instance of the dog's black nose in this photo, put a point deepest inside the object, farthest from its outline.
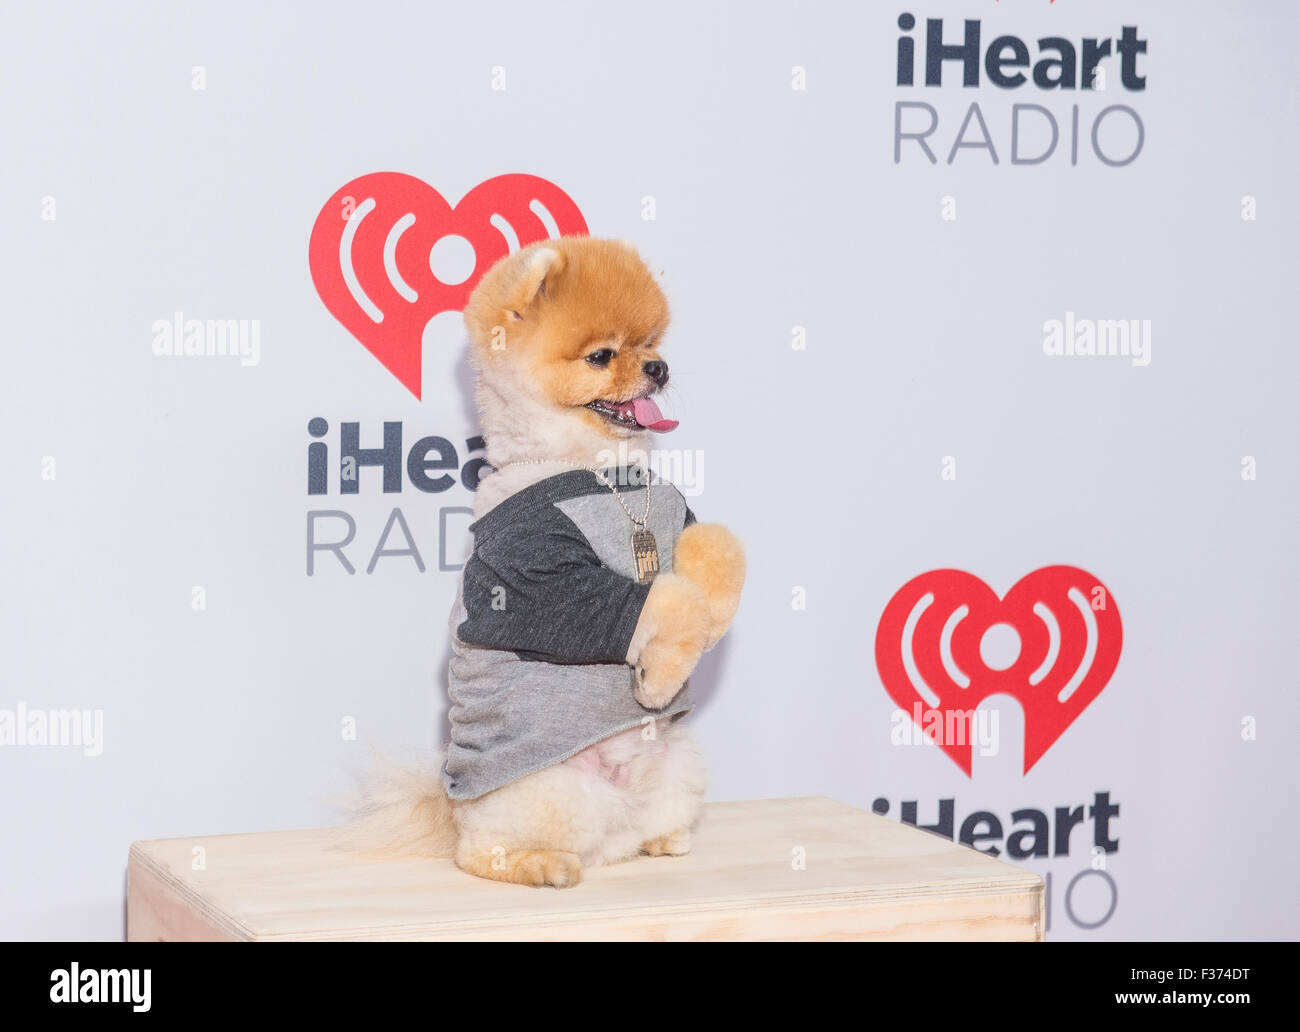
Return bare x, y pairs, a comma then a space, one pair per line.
657, 371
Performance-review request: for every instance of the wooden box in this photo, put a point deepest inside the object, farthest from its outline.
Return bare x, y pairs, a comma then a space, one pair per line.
795, 869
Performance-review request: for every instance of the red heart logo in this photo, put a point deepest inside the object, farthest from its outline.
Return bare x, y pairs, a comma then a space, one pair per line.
928, 651
372, 244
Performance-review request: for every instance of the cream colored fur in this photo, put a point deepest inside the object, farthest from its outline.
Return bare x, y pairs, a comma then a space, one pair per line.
639, 791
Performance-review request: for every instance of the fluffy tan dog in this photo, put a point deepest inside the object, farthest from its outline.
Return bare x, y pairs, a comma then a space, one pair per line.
552, 645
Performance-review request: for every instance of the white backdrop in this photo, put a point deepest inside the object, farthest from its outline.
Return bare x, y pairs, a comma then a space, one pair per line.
859, 366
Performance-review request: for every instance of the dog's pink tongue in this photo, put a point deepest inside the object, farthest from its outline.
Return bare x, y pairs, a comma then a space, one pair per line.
647, 414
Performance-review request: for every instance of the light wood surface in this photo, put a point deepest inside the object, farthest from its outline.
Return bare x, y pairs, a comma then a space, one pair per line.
862, 877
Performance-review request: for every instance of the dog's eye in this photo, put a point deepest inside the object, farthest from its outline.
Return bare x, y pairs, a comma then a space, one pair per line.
601, 357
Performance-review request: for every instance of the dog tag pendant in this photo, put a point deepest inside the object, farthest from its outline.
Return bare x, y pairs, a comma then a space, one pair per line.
645, 556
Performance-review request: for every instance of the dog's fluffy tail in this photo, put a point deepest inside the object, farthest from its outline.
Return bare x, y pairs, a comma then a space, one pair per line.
400, 811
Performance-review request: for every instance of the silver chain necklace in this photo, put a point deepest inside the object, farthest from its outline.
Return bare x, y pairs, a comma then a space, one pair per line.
645, 550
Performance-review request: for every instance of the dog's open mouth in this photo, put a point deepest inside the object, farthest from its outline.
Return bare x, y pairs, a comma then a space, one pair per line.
635, 412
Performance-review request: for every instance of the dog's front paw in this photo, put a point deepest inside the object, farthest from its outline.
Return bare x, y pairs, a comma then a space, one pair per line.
712, 557
670, 636
664, 666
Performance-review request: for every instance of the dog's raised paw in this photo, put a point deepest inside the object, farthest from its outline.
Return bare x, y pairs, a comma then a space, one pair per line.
675, 620
656, 692
712, 557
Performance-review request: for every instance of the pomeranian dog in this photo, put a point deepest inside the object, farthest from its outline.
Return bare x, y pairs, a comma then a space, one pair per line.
589, 597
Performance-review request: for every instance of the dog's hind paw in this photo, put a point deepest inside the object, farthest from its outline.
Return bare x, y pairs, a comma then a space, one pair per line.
535, 867
677, 843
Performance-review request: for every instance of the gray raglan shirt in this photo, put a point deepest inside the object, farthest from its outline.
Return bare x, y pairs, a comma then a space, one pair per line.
547, 607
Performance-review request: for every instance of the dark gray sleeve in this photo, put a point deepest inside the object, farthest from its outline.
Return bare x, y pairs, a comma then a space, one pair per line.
536, 587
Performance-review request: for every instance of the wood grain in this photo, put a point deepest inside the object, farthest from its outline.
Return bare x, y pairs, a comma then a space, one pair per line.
865, 877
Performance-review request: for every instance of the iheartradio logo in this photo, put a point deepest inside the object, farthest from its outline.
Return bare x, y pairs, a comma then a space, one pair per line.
388, 253
946, 642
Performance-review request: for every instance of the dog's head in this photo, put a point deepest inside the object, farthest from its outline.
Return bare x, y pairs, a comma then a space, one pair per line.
567, 333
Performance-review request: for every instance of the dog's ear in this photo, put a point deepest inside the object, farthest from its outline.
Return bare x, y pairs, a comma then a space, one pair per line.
543, 267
